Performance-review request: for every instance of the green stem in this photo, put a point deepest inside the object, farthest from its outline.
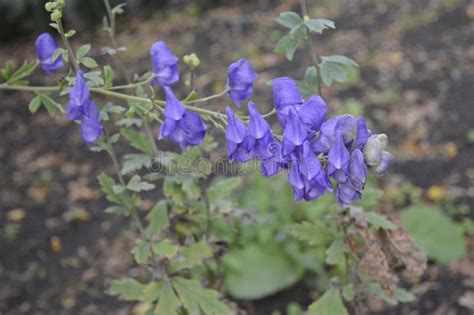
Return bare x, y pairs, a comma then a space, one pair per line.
312, 51
72, 56
211, 97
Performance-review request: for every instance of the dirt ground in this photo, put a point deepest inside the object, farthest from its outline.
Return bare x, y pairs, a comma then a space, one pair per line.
59, 250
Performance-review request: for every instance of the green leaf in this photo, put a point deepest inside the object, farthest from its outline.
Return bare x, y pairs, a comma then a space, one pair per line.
191, 188
35, 103
379, 292
328, 304
49, 103
141, 251
82, 52
130, 122
165, 248
107, 183
108, 76
136, 184
7, 71
313, 233
348, 292
435, 233
119, 210
192, 255
287, 46
69, 34
127, 288
25, 70
194, 298
89, 62
403, 295
168, 301
118, 9
220, 191
319, 25
135, 162
380, 221
138, 140
157, 218
311, 77
250, 272
172, 190
289, 19
335, 252
94, 78
336, 69
151, 292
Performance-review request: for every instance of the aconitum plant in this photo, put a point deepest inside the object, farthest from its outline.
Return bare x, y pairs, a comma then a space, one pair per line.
319, 152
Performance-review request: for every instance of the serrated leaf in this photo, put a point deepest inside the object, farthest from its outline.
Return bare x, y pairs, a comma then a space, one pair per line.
107, 183
165, 248
348, 292
138, 140
328, 304
435, 233
403, 295
49, 103
335, 252
141, 252
191, 188
194, 298
287, 46
35, 103
151, 292
313, 233
136, 184
127, 288
135, 162
380, 221
289, 19
192, 255
119, 210
25, 70
82, 51
219, 193
172, 190
89, 62
168, 301
108, 76
157, 218
319, 25
379, 292
336, 69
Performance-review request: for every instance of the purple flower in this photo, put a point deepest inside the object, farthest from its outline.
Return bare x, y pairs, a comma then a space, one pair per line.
294, 134
80, 107
181, 125
261, 132
350, 189
285, 96
240, 80
78, 96
91, 127
306, 174
164, 64
240, 146
45, 48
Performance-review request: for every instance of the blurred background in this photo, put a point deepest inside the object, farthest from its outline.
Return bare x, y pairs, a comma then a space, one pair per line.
59, 250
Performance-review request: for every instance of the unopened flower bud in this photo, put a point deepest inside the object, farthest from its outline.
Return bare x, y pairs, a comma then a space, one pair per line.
373, 151
49, 6
385, 162
383, 141
192, 61
56, 16
61, 3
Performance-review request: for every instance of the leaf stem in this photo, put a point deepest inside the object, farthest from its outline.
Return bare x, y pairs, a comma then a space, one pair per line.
72, 56
312, 51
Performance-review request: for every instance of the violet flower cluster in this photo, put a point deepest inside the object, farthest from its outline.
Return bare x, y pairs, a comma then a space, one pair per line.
321, 155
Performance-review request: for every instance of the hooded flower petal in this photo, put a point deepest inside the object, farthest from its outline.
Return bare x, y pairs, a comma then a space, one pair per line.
79, 92
236, 130
258, 127
91, 127
165, 64
240, 80
174, 108
313, 112
338, 155
295, 132
363, 134
384, 165
45, 48
285, 93
357, 168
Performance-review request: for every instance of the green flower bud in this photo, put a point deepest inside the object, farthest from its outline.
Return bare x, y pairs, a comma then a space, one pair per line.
49, 6
60, 4
373, 151
192, 61
56, 16
383, 141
